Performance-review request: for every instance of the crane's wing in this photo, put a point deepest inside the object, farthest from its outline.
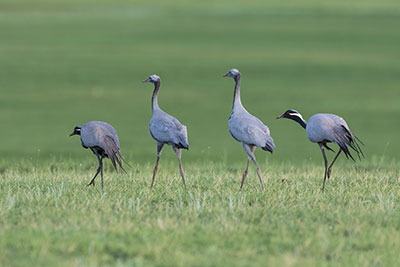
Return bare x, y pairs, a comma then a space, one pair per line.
181, 137
103, 135
109, 130
342, 136
261, 137
250, 130
92, 133
169, 130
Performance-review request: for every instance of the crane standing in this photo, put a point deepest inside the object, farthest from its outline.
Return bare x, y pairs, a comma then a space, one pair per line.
248, 129
166, 129
323, 128
102, 139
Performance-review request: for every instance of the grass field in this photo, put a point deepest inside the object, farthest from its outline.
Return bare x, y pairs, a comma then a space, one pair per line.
49, 217
63, 63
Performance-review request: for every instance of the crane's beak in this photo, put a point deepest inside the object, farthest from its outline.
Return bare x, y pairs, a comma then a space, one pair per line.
279, 117
144, 81
225, 75
71, 134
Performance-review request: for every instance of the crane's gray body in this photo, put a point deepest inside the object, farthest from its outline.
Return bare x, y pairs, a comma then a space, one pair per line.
102, 139
98, 134
166, 129
248, 129
325, 127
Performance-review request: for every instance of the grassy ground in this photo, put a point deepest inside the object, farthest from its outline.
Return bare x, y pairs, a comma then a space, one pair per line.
49, 217
63, 63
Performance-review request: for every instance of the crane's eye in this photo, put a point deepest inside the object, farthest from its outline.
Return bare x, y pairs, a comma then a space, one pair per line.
287, 112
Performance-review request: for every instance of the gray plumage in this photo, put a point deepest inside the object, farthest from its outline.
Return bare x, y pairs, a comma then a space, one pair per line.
247, 129
324, 128
102, 139
166, 129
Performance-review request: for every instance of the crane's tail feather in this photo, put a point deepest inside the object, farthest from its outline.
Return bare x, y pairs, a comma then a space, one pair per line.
358, 139
346, 151
129, 165
113, 158
119, 160
353, 142
269, 146
182, 146
112, 151
358, 146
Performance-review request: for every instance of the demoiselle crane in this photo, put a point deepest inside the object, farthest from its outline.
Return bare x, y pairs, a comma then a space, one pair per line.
166, 129
324, 128
247, 129
102, 139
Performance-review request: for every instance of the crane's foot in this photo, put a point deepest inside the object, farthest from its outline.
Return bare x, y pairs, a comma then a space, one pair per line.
329, 173
91, 183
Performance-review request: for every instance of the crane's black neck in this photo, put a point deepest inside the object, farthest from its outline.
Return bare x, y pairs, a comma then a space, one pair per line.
236, 95
154, 102
299, 120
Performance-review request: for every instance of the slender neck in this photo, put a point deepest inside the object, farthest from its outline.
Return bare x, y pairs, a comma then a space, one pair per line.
300, 121
154, 102
236, 95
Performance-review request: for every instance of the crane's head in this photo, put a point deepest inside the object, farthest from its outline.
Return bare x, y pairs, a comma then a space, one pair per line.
233, 73
76, 131
152, 79
291, 114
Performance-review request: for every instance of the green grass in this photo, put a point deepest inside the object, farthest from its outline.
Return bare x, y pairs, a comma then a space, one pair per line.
63, 63
49, 217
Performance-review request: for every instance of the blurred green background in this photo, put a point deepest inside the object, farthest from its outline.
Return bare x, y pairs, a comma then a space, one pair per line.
63, 63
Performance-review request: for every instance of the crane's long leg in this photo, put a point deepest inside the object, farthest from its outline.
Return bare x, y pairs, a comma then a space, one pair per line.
326, 165
159, 148
92, 181
245, 173
178, 153
101, 171
250, 151
333, 161
100, 168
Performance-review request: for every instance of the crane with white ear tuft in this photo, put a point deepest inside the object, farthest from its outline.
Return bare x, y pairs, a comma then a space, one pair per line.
324, 128
166, 129
248, 129
102, 139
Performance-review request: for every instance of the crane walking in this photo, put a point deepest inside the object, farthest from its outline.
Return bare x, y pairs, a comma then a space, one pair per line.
248, 129
323, 128
102, 139
166, 129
